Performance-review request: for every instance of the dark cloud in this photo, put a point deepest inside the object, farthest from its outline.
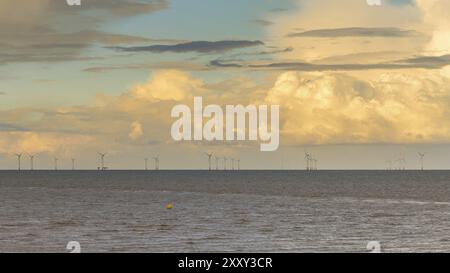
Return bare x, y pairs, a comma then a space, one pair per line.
428, 61
7, 127
263, 23
425, 62
195, 46
355, 32
50, 30
271, 52
116, 8
218, 63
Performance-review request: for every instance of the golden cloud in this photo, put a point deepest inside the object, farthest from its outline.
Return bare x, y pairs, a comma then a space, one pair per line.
34, 143
166, 85
316, 108
328, 108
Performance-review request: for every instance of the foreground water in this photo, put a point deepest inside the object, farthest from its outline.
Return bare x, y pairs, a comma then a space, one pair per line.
254, 211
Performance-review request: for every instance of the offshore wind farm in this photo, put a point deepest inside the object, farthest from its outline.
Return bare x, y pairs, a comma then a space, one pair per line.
216, 161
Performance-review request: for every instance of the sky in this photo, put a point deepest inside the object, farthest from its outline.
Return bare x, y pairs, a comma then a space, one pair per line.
359, 86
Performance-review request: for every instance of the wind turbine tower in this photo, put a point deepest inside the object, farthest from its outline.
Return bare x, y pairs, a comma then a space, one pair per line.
146, 164
225, 163
31, 161
209, 159
421, 159
102, 160
73, 164
19, 157
56, 163
308, 161
156, 159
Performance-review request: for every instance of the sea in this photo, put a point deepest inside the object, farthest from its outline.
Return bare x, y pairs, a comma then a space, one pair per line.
224, 211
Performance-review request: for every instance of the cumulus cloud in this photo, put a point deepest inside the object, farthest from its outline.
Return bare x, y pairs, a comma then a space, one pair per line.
167, 85
329, 108
108, 121
316, 108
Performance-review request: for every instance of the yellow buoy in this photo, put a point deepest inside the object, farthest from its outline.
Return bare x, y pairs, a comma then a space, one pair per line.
169, 206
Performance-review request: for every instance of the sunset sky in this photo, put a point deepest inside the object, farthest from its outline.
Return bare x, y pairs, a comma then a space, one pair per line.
357, 85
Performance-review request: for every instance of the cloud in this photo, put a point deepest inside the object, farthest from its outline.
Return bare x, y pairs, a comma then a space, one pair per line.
219, 63
263, 23
50, 30
168, 65
170, 85
136, 130
119, 8
34, 142
435, 17
331, 108
419, 62
195, 46
367, 29
140, 116
11, 127
355, 32
122, 8
316, 108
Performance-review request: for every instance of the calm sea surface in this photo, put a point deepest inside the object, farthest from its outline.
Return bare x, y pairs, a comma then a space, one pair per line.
254, 211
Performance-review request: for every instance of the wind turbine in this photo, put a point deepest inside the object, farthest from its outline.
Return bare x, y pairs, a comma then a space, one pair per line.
225, 163
232, 163
308, 159
156, 159
421, 159
146, 164
102, 160
239, 164
31, 161
73, 164
19, 156
209, 159
56, 163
